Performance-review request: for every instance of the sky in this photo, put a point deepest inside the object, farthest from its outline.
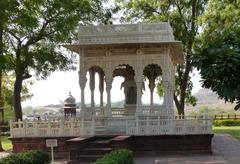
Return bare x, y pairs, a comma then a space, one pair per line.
55, 89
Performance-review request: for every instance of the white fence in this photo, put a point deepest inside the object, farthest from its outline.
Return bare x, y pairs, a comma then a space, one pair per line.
51, 128
140, 125
160, 126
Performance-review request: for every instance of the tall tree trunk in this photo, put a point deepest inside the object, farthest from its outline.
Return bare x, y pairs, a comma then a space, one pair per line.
180, 104
17, 97
1, 98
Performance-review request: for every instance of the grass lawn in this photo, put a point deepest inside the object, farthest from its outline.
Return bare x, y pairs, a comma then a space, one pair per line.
6, 143
232, 130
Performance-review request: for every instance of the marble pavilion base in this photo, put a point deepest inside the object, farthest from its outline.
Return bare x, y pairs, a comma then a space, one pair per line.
39, 143
163, 144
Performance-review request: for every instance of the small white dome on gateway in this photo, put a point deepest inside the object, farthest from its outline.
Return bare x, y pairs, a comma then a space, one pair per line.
70, 99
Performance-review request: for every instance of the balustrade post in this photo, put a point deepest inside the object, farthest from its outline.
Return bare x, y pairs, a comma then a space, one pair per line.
196, 128
61, 126
82, 126
71, 126
184, 125
93, 126
24, 129
11, 128
137, 126
127, 133
35, 123
172, 125
108, 89
147, 126
48, 128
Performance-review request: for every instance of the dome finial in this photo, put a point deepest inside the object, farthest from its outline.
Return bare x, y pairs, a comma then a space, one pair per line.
70, 99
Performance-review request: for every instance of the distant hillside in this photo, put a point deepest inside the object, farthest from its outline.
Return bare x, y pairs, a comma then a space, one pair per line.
206, 96
206, 99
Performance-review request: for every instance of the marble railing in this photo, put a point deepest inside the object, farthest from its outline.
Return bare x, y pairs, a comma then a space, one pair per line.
129, 125
157, 126
125, 33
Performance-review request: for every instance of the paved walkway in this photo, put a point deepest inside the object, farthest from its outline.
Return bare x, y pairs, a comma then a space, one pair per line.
226, 150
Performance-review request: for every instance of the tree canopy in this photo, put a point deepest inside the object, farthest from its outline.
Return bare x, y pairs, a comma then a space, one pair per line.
33, 32
218, 55
183, 16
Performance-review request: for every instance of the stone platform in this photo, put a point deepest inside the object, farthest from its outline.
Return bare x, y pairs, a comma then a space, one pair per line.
90, 149
39, 143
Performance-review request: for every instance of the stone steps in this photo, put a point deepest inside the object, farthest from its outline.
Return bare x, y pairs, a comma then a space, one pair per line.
95, 151
88, 150
91, 150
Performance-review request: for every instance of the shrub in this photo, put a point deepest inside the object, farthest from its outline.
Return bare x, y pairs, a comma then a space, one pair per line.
226, 123
121, 156
29, 157
5, 128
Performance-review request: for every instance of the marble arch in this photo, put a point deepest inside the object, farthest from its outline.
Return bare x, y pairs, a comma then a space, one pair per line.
136, 45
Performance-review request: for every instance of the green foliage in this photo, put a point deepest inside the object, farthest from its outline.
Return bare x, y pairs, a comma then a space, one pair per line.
5, 128
30, 157
182, 16
226, 123
160, 88
218, 58
6, 143
8, 86
121, 156
33, 32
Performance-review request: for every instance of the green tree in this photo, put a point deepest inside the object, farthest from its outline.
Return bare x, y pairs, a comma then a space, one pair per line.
218, 56
183, 16
34, 34
6, 7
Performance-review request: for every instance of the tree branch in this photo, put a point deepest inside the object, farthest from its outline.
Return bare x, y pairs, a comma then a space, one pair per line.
181, 14
11, 33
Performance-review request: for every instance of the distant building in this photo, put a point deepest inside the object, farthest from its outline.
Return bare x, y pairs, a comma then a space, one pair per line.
70, 106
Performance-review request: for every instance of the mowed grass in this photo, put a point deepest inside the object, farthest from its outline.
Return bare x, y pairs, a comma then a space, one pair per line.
6, 143
232, 130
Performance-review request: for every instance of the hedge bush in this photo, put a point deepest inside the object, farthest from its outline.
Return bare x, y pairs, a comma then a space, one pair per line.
5, 128
29, 157
226, 123
120, 156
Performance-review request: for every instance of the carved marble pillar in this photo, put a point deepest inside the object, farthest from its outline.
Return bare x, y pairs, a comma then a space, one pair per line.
82, 83
92, 85
139, 80
139, 84
108, 89
101, 87
168, 97
108, 79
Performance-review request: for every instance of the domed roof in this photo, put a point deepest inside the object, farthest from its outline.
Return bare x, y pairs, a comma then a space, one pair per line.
70, 99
